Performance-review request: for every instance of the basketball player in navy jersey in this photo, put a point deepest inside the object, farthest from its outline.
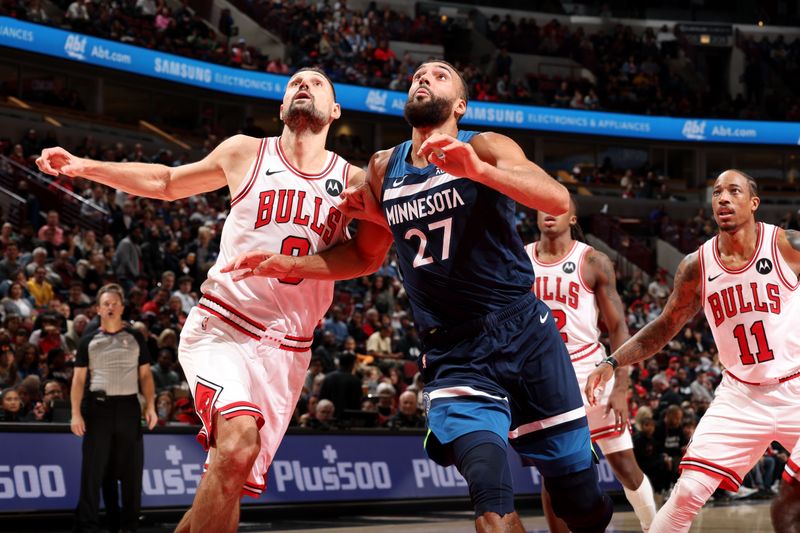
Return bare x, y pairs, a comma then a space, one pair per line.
495, 368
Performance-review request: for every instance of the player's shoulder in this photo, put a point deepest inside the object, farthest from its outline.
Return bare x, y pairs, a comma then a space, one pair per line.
689, 270
238, 145
379, 162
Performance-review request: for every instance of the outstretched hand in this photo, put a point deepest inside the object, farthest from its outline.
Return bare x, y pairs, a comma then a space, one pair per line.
55, 161
260, 263
453, 156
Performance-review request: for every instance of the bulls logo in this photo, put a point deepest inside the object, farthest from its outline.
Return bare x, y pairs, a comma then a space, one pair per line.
764, 266
333, 187
569, 267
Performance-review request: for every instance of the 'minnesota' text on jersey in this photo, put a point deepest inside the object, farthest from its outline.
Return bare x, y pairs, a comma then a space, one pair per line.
458, 248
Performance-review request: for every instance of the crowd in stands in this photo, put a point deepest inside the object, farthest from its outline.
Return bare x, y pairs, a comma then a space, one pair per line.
652, 72
363, 370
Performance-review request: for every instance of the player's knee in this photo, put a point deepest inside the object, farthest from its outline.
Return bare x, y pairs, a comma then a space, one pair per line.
689, 493
237, 445
483, 462
626, 470
578, 500
785, 509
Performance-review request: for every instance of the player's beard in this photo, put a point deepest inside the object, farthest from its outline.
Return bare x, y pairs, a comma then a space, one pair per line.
300, 118
427, 113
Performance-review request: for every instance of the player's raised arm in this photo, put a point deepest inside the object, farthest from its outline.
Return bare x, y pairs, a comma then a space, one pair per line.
362, 255
154, 180
683, 304
498, 162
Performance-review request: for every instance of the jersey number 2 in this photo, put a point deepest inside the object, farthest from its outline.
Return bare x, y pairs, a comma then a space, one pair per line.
420, 259
561, 321
764, 352
295, 246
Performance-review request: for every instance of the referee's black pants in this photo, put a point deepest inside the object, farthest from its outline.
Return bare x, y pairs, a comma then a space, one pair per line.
112, 448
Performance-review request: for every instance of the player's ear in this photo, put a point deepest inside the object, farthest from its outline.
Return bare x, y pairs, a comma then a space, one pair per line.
336, 112
755, 201
280, 113
460, 108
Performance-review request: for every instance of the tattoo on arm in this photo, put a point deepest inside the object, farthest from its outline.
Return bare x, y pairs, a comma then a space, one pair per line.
683, 304
612, 310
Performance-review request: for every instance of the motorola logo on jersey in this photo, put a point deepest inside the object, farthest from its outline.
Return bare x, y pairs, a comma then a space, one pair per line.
764, 266
333, 187
569, 267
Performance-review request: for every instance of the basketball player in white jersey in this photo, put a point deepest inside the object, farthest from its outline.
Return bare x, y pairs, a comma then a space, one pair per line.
578, 283
245, 346
745, 279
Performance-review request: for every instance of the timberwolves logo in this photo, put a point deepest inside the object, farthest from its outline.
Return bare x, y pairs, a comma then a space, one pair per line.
333, 187
764, 266
569, 267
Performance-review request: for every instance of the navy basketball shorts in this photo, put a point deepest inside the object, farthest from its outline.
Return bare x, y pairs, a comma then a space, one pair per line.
509, 373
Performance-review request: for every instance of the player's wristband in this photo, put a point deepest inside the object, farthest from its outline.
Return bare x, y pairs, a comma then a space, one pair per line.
610, 360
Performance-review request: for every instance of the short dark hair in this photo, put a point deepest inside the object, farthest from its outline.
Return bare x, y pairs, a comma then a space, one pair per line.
319, 71
464, 86
751, 181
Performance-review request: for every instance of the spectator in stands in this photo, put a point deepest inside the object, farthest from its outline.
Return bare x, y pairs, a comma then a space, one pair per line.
43, 410
8, 367
53, 223
74, 334
164, 377
410, 346
650, 457
40, 289
379, 344
78, 14
671, 439
10, 262
128, 257
408, 415
15, 303
386, 402
327, 352
701, 388
95, 208
314, 370
322, 416
165, 407
342, 387
336, 324
185, 295
10, 406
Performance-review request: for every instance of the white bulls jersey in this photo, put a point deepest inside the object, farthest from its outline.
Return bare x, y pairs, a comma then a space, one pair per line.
280, 209
574, 308
753, 312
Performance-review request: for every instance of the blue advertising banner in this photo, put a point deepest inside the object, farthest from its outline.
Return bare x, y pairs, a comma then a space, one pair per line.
41, 471
115, 55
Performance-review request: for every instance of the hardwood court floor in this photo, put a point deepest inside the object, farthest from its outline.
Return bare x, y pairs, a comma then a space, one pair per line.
750, 517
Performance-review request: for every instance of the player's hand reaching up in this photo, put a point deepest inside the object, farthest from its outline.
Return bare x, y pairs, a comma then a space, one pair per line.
55, 161
618, 402
260, 263
453, 156
596, 382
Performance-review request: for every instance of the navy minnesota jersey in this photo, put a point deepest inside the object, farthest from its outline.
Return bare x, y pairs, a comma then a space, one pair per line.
459, 252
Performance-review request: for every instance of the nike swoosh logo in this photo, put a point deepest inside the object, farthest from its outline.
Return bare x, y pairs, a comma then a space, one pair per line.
542, 319
710, 279
271, 172
399, 181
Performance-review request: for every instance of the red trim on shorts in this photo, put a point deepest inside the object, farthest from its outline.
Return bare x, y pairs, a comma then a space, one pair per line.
234, 312
730, 480
232, 410
580, 265
588, 354
606, 432
294, 348
229, 322
752, 260
298, 339
295, 170
780, 380
791, 472
776, 255
252, 179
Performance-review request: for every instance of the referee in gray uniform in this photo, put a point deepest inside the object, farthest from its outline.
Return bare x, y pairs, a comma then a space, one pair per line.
117, 362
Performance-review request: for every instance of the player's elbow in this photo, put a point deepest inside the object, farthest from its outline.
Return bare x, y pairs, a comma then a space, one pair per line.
559, 201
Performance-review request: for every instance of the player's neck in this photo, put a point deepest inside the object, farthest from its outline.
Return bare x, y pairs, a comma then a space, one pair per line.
554, 248
741, 242
305, 150
420, 135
